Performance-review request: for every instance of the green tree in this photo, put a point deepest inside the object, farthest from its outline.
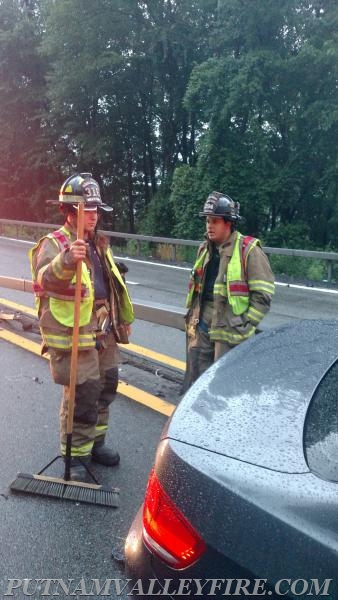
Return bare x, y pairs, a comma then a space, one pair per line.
268, 97
166, 100
27, 171
119, 71
176, 36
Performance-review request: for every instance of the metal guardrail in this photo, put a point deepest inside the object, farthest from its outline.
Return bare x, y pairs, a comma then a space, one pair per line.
329, 257
154, 313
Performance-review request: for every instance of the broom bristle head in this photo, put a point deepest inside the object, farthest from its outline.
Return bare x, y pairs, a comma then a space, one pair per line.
66, 490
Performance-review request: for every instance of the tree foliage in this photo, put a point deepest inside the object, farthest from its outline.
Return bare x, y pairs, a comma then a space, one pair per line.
268, 98
27, 169
167, 100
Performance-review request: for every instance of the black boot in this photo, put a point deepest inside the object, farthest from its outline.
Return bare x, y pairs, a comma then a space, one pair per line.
103, 455
78, 471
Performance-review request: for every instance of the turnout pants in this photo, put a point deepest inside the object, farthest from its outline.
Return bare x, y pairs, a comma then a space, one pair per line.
202, 352
96, 384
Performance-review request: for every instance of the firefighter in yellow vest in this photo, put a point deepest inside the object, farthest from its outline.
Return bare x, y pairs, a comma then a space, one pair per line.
106, 313
230, 288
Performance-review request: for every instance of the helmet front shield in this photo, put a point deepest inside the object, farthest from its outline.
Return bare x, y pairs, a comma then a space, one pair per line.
82, 188
222, 206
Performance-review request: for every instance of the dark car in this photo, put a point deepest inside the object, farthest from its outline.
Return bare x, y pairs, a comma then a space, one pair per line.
243, 496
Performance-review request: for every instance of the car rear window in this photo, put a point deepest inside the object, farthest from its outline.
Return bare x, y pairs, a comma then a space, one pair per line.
321, 428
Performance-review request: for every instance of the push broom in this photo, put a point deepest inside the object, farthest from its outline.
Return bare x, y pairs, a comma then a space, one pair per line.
54, 487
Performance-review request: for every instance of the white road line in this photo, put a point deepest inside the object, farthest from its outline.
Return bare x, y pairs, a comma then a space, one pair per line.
153, 264
156, 264
306, 287
15, 240
281, 284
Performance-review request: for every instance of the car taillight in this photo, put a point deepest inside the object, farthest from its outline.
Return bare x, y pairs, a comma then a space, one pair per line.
166, 531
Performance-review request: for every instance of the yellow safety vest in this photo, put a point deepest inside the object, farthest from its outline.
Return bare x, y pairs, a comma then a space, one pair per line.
127, 311
236, 288
62, 304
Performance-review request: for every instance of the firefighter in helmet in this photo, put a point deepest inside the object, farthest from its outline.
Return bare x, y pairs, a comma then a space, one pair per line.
106, 314
230, 288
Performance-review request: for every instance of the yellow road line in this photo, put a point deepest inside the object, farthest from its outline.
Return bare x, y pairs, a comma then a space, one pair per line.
130, 391
16, 339
161, 406
163, 358
19, 307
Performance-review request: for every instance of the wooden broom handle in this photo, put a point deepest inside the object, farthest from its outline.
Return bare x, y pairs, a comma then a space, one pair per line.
76, 327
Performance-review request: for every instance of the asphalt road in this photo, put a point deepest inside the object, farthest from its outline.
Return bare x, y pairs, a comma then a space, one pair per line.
43, 538
54, 539
167, 285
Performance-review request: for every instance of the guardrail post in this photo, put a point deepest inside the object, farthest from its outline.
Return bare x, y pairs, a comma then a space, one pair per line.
138, 248
329, 270
173, 253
